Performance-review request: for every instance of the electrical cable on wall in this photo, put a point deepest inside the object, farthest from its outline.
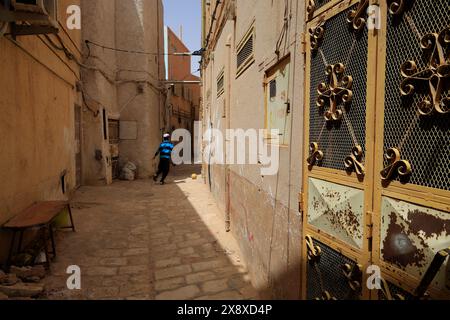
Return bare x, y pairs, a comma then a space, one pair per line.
88, 42
284, 29
208, 38
110, 78
94, 112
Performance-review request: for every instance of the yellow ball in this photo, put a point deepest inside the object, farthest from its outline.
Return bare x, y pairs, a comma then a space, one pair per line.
194, 177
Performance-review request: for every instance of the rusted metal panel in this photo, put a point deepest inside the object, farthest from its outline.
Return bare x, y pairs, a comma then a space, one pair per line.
337, 210
411, 236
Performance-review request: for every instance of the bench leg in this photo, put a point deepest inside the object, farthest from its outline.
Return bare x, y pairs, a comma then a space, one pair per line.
19, 248
47, 256
71, 218
52, 239
11, 250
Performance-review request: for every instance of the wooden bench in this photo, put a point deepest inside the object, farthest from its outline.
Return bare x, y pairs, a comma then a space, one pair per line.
41, 215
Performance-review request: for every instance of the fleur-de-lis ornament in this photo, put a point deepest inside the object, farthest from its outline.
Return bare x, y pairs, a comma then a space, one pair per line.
316, 36
356, 17
386, 291
396, 165
314, 252
311, 8
353, 274
354, 161
396, 7
326, 296
316, 155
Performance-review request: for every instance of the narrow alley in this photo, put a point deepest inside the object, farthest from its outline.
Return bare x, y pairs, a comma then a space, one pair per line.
138, 240
319, 129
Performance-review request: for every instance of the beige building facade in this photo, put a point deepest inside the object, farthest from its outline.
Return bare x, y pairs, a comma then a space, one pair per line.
184, 97
39, 104
125, 96
357, 90
251, 44
75, 107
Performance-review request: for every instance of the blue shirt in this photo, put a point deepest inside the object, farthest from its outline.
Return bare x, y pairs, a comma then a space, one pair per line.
165, 150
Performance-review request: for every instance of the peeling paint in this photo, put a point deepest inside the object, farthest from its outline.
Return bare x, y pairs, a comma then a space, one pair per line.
411, 236
398, 247
337, 210
431, 226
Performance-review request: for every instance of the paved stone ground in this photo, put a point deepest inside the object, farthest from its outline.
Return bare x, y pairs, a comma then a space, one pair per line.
138, 240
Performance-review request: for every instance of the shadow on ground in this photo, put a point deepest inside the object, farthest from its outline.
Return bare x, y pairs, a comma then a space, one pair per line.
138, 240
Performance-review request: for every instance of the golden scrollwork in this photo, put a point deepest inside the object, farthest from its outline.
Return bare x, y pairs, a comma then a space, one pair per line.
316, 35
355, 17
386, 291
326, 296
396, 165
353, 274
396, 7
314, 252
337, 92
311, 8
315, 154
436, 74
354, 161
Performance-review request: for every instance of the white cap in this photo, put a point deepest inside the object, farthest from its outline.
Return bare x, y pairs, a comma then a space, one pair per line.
167, 135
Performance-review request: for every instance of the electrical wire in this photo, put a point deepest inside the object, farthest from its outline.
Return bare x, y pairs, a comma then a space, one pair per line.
112, 79
109, 78
291, 143
94, 112
208, 38
284, 29
128, 51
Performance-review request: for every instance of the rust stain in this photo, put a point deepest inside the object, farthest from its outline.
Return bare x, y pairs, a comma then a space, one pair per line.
333, 195
398, 247
346, 219
430, 225
316, 204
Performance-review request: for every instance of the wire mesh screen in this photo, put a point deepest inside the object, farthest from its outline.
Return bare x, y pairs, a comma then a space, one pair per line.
328, 271
319, 3
424, 141
395, 292
336, 139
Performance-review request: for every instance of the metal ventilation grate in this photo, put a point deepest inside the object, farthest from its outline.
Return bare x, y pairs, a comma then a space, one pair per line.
245, 51
425, 140
220, 83
333, 278
334, 138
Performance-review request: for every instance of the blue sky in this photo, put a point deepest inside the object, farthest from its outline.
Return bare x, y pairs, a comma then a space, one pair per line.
186, 13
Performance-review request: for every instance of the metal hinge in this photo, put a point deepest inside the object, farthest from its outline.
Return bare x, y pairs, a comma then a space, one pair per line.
301, 204
303, 43
370, 230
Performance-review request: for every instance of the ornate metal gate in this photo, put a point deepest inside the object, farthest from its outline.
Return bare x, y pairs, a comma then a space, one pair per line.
377, 183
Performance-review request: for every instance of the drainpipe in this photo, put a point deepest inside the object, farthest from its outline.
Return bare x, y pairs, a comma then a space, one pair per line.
168, 109
228, 126
159, 63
